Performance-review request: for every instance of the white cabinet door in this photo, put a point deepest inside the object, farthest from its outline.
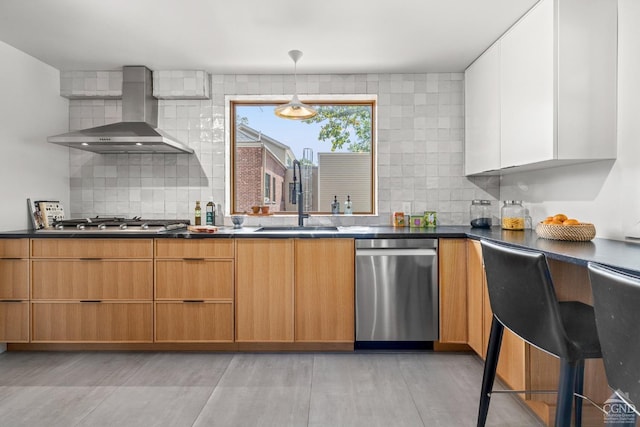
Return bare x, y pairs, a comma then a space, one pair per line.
527, 89
482, 113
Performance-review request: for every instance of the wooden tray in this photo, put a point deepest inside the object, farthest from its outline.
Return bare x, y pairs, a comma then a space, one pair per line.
202, 228
582, 232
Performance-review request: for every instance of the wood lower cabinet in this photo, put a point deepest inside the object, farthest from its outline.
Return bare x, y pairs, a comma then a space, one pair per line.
476, 285
14, 321
513, 352
182, 279
298, 290
14, 290
452, 266
189, 249
264, 290
92, 322
194, 290
92, 248
324, 290
194, 321
92, 279
92, 290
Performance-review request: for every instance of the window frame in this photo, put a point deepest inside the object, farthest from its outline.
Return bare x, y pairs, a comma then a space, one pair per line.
232, 101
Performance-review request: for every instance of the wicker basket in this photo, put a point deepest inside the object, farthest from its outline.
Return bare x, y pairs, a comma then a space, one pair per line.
582, 232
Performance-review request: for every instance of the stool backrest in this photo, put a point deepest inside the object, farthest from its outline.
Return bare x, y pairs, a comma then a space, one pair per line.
616, 302
522, 297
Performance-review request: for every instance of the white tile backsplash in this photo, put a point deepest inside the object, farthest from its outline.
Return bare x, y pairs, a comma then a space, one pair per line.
420, 143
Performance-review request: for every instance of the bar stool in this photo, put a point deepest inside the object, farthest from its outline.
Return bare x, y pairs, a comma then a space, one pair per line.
616, 299
523, 300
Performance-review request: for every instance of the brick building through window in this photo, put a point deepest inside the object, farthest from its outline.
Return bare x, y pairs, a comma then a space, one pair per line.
258, 158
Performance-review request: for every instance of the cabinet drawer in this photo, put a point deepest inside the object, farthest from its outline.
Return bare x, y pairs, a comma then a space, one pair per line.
92, 248
194, 321
92, 322
14, 279
14, 248
197, 279
14, 321
98, 279
205, 248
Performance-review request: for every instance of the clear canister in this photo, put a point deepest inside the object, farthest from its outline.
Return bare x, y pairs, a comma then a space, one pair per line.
480, 211
513, 215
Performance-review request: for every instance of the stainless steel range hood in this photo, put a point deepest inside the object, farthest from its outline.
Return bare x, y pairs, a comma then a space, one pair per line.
137, 133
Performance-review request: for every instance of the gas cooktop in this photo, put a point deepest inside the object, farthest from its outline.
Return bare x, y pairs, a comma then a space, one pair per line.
117, 225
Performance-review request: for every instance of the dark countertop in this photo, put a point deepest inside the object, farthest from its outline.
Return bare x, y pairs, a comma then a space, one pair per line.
614, 253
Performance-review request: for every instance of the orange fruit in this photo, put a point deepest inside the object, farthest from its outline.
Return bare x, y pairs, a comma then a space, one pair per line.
549, 218
571, 221
560, 217
556, 222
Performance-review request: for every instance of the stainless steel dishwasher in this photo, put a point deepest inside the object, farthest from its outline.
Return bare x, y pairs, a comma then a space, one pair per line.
396, 291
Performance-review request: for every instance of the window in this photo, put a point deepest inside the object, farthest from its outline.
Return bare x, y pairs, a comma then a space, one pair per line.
335, 149
292, 194
267, 188
273, 188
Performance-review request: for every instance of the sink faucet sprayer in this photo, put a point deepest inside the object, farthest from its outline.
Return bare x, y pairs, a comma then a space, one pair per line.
299, 194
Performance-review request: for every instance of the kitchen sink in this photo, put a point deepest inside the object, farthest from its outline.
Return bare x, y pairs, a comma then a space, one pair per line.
296, 229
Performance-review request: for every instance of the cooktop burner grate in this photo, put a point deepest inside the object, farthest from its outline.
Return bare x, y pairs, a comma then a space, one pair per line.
119, 224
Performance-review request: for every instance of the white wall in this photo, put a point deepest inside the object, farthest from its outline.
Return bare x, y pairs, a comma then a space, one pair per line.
30, 109
604, 193
419, 134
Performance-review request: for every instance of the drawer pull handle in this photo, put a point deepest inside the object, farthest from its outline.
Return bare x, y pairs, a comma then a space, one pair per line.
91, 300
194, 259
90, 259
193, 300
11, 300
11, 258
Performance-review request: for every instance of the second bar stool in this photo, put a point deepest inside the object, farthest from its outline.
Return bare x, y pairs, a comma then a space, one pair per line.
523, 299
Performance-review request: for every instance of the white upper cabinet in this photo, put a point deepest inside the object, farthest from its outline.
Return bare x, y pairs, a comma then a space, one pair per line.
557, 88
526, 89
482, 113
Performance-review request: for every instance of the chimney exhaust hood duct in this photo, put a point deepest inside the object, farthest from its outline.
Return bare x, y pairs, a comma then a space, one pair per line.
137, 133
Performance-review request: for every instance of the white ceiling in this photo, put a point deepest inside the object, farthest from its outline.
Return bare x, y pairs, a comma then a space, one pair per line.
254, 36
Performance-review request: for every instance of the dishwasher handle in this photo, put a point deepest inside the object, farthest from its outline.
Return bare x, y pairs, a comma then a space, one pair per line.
396, 252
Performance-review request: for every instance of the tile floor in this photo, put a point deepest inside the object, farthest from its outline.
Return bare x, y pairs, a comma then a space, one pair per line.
218, 389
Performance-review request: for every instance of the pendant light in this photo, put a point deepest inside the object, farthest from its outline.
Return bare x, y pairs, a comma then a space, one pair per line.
294, 109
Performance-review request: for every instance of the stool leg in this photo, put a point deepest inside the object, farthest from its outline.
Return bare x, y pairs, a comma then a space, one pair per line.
579, 387
490, 365
565, 392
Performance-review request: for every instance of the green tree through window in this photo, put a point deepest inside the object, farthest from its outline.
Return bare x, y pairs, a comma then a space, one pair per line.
341, 123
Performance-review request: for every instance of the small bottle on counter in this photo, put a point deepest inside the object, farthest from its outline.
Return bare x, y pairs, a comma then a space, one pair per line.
335, 206
211, 212
347, 206
198, 219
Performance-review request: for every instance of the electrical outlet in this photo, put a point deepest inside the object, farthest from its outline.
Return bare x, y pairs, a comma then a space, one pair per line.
406, 207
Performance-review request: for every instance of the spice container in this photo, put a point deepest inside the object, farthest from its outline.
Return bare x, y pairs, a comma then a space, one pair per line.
398, 219
430, 219
513, 214
480, 213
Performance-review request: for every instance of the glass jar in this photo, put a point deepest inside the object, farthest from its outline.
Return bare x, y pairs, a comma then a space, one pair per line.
480, 213
513, 215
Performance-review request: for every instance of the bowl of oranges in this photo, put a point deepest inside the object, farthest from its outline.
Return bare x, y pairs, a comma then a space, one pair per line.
561, 227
